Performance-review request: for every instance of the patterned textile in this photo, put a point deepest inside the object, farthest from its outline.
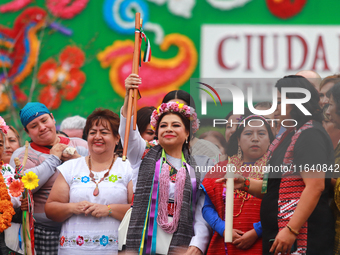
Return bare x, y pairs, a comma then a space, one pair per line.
246, 207
182, 237
336, 205
46, 241
291, 187
3, 248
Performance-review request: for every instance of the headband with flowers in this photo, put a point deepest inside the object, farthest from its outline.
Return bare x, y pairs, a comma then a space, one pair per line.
3, 126
186, 110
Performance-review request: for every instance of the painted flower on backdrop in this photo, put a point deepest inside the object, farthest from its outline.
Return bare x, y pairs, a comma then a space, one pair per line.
62, 80
30, 180
285, 9
16, 188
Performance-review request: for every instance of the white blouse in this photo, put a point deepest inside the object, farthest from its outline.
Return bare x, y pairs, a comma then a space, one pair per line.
82, 234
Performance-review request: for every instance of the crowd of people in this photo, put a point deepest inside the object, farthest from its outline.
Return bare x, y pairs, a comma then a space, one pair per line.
158, 201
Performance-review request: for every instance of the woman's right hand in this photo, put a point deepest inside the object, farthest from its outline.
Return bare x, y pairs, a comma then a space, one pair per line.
238, 182
80, 207
132, 82
24, 204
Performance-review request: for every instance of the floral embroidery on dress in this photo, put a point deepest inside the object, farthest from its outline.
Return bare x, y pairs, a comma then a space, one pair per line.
104, 240
80, 240
62, 240
8, 180
85, 179
86, 240
113, 178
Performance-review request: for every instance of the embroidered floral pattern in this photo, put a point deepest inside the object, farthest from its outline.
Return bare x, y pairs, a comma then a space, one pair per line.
80, 240
113, 178
104, 240
85, 179
98, 240
62, 240
8, 180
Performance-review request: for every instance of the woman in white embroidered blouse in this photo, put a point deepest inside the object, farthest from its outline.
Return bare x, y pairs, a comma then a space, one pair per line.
92, 194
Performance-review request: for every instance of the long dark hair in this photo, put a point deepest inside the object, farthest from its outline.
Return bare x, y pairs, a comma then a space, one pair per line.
143, 118
233, 141
180, 94
312, 105
335, 93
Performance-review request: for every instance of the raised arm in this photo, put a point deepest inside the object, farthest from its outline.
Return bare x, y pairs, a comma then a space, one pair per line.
137, 144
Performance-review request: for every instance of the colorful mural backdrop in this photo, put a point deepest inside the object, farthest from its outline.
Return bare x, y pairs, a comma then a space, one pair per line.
74, 55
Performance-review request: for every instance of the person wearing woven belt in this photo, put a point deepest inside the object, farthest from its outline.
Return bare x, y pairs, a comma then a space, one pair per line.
92, 194
45, 153
333, 113
295, 213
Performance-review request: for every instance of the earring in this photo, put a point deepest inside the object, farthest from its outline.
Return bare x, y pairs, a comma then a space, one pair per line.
239, 152
186, 141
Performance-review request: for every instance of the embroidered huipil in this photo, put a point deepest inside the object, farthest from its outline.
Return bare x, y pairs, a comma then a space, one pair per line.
82, 234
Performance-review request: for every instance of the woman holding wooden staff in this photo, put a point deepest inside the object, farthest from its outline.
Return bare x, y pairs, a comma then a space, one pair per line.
174, 145
133, 92
247, 149
295, 214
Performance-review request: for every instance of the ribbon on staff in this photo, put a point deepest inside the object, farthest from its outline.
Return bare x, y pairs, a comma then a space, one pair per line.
147, 50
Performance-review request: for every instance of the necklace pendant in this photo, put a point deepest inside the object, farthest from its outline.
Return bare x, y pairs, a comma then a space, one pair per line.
96, 191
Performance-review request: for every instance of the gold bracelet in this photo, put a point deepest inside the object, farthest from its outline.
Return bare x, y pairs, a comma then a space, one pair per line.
292, 230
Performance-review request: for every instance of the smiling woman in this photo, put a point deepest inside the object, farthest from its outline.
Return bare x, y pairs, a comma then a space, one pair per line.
85, 187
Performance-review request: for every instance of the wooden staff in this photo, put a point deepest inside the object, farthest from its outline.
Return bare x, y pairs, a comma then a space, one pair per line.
229, 204
133, 93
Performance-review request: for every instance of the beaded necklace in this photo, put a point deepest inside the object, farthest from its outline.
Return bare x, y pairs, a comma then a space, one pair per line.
96, 190
163, 198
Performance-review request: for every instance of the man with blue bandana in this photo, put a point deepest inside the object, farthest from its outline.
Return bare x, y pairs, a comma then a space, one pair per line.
45, 154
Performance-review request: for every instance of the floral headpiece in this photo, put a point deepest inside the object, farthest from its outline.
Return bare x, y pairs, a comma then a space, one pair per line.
3, 126
186, 110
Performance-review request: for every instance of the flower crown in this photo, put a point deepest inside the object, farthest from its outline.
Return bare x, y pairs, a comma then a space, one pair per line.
3, 126
186, 110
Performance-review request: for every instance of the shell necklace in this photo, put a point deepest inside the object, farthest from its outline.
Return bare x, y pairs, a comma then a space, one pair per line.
96, 190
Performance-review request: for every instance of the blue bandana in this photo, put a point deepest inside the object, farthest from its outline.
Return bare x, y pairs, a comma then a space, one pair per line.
32, 111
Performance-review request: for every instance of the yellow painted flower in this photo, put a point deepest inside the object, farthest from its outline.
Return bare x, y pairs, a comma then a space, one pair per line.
30, 180
180, 106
